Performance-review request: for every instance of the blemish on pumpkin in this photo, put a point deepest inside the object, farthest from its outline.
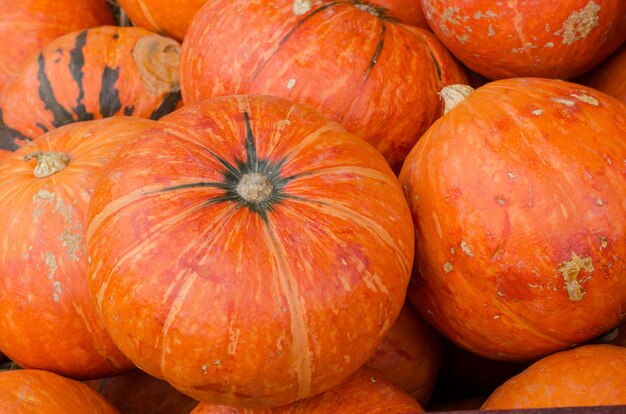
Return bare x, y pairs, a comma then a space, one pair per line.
501, 200
586, 99
291, 84
537, 112
57, 291
548, 44
462, 39
497, 253
500, 293
447, 267
44, 195
496, 316
373, 379
217, 362
512, 174
570, 271
567, 102
599, 202
301, 6
343, 262
452, 250
233, 339
368, 9
346, 359
579, 24
603, 243
204, 369
437, 225
490, 31
466, 249
72, 243
51, 261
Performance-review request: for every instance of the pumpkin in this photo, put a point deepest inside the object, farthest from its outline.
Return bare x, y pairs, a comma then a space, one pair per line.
590, 375
169, 17
90, 74
528, 39
409, 355
517, 196
27, 25
615, 337
46, 313
263, 251
365, 392
347, 59
610, 76
31, 391
409, 11
137, 392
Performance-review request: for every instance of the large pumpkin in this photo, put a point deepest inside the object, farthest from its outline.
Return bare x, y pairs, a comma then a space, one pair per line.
40, 392
591, 375
365, 392
348, 59
91, 74
27, 25
410, 355
262, 250
46, 313
137, 392
519, 203
550, 39
610, 76
169, 17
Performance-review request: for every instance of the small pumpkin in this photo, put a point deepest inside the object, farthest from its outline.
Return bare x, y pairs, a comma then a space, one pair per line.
46, 313
409, 355
517, 196
28, 391
499, 39
263, 250
137, 392
590, 375
27, 25
168, 17
610, 75
91, 74
365, 392
348, 59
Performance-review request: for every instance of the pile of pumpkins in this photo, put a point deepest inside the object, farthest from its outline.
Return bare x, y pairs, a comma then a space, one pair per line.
297, 206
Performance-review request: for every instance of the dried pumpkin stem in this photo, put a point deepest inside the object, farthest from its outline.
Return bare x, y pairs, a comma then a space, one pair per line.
158, 58
254, 187
453, 95
48, 162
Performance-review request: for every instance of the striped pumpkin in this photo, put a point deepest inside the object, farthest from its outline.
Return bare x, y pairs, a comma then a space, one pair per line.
27, 25
347, 59
90, 74
262, 250
46, 315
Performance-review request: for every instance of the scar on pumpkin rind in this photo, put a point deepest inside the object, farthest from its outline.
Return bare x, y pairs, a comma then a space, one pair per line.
570, 271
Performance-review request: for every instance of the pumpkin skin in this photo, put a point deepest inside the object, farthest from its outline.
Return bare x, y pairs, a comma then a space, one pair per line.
377, 77
531, 38
409, 11
590, 375
258, 314
45, 306
168, 17
91, 74
28, 391
137, 392
610, 76
365, 392
28, 25
409, 355
520, 240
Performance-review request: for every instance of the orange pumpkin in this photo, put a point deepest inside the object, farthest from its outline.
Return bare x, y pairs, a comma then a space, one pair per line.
91, 74
546, 39
517, 197
348, 59
409, 11
365, 392
169, 17
137, 392
27, 25
610, 76
409, 355
41, 392
46, 312
263, 251
591, 375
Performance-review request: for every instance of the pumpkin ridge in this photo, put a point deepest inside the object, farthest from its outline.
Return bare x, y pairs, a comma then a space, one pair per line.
379, 49
61, 115
77, 62
286, 37
109, 96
